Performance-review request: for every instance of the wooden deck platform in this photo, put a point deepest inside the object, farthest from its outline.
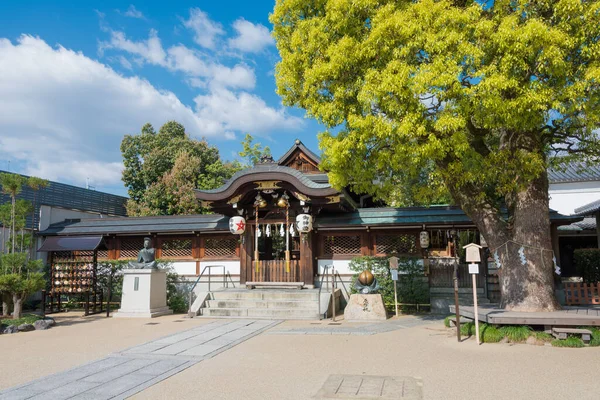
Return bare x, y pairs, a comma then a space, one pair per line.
569, 316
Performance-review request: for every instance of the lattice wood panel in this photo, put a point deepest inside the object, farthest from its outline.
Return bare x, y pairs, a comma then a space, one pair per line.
220, 247
395, 244
177, 248
130, 247
347, 244
102, 254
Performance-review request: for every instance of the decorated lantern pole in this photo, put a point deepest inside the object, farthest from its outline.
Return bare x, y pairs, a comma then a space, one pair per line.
256, 239
287, 239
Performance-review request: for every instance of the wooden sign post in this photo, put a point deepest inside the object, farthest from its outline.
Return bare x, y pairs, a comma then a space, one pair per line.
473, 257
394, 271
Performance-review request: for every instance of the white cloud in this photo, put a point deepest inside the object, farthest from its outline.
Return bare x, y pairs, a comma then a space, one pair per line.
251, 38
150, 50
206, 31
64, 114
222, 110
133, 12
202, 72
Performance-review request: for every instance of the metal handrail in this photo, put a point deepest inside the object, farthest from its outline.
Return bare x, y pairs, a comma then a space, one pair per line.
325, 273
209, 267
337, 274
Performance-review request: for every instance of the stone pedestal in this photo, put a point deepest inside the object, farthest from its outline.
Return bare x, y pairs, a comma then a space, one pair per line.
144, 294
365, 307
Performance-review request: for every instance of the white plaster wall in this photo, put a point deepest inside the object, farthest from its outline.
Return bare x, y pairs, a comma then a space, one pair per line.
341, 266
566, 197
233, 267
185, 267
51, 215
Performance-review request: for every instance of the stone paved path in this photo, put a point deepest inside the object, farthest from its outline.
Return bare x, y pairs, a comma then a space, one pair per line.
328, 328
123, 374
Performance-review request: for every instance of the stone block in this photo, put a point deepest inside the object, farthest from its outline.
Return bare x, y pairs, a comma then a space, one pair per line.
10, 329
41, 325
144, 294
26, 328
365, 307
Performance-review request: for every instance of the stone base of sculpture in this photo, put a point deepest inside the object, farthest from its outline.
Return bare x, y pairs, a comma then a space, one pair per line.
365, 307
144, 294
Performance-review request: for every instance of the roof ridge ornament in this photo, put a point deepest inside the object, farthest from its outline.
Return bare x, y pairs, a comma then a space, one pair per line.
266, 159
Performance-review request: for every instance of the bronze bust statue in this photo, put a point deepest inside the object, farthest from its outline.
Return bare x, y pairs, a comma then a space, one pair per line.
146, 256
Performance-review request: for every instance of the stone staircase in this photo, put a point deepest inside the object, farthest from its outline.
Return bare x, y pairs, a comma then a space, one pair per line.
267, 304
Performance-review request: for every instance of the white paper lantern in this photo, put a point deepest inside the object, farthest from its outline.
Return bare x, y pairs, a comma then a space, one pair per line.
237, 225
424, 239
304, 223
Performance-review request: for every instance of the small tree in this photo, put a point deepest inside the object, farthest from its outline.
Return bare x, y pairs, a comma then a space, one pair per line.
253, 152
20, 278
12, 184
35, 184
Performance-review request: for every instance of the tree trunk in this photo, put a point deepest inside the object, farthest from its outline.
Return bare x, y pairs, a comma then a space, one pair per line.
5, 304
526, 283
18, 306
13, 223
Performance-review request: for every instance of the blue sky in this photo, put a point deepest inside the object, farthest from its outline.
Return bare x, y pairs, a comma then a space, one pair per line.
76, 76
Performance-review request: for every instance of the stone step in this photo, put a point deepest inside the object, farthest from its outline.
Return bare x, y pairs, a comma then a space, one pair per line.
283, 295
265, 313
281, 304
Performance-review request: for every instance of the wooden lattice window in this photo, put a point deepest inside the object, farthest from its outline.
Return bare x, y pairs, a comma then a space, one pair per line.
131, 246
403, 243
102, 254
177, 248
220, 247
342, 244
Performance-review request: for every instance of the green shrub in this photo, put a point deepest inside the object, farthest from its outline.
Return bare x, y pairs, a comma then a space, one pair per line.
587, 262
25, 319
490, 334
543, 336
516, 333
467, 329
571, 341
447, 320
595, 342
412, 288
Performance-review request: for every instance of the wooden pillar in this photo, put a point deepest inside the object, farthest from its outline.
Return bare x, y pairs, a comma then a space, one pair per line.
307, 259
246, 255
598, 227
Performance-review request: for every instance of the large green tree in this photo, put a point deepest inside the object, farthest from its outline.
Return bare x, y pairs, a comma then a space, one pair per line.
482, 92
253, 152
162, 169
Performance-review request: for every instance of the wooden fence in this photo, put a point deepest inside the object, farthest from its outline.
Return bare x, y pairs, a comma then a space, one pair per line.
578, 293
441, 275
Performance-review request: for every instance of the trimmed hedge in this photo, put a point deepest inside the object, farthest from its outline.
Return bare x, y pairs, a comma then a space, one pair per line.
587, 262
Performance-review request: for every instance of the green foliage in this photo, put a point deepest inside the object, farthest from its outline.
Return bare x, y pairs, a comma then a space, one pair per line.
490, 333
467, 329
177, 293
571, 341
595, 342
12, 184
253, 152
543, 336
447, 320
25, 319
516, 333
469, 86
587, 262
162, 169
412, 289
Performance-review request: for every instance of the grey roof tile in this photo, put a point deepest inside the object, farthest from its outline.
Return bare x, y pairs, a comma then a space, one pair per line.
270, 167
575, 172
588, 209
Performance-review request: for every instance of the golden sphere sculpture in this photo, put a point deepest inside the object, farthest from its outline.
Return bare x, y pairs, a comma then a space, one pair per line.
366, 278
